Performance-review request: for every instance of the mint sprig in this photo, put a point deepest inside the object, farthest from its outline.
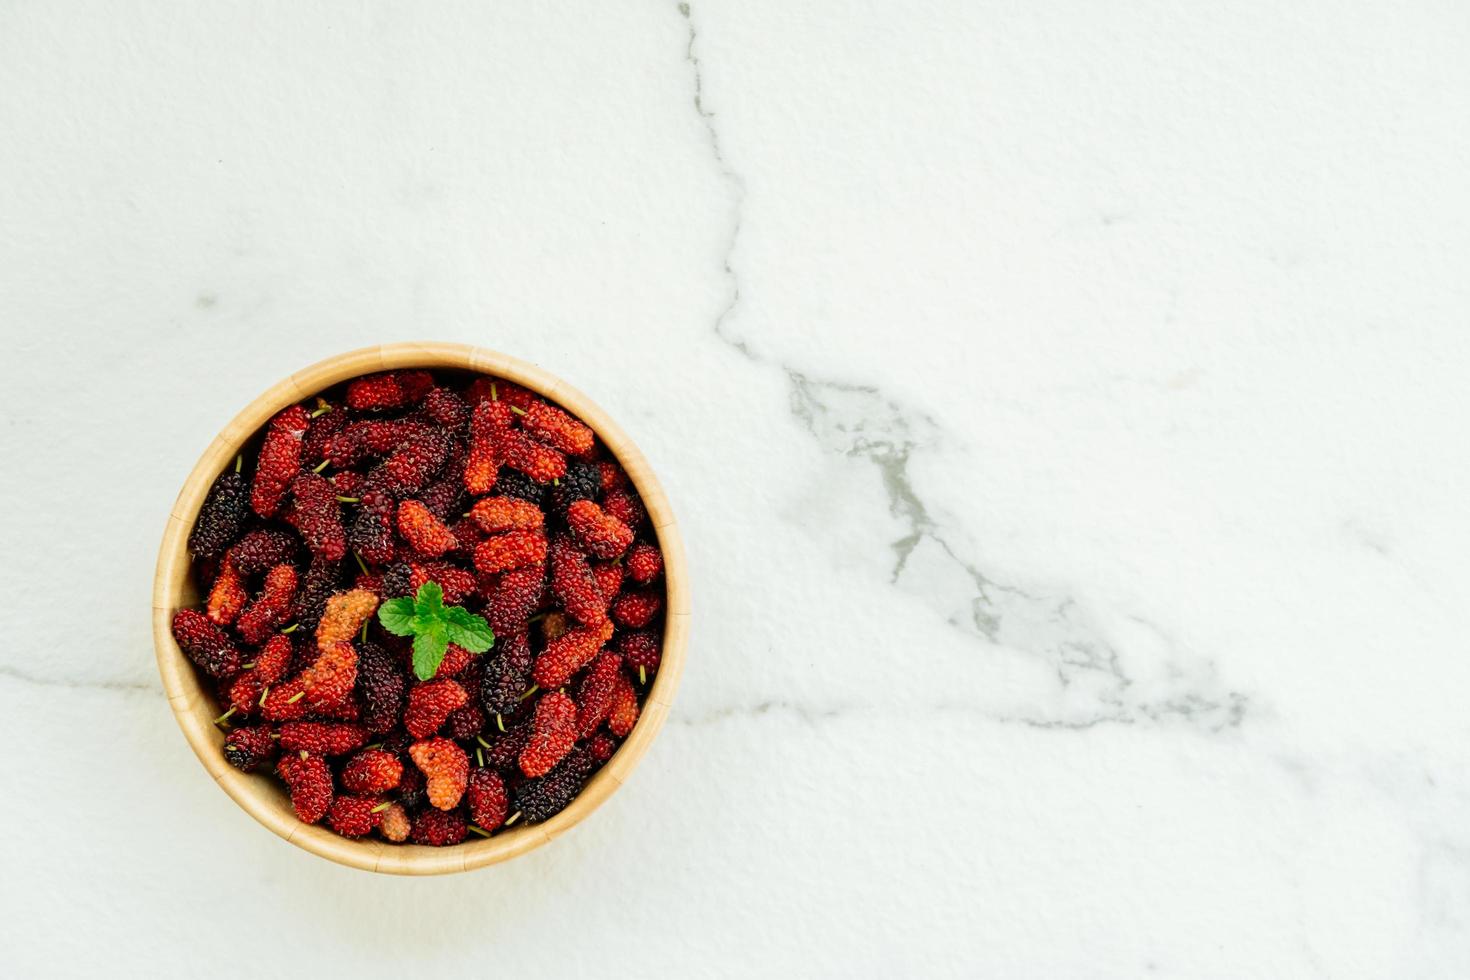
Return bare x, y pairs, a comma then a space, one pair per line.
433, 627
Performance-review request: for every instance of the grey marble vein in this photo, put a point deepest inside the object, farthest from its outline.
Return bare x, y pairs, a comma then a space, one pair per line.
38, 680
859, 421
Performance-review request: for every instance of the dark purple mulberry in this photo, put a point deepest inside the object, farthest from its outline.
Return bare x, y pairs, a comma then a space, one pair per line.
221, 517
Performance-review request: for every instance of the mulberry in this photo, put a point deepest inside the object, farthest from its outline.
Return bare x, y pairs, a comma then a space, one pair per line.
446, 769
310, 783
205, 644
513, 549
513, 597
597, 531
556, 428
568, 654
321, 738
438, 828
506, 674
595, 694
380, 685
642, 651
429, 704
624, 713
272, 608
496, 514
487, 798
222, 516
634, 610
329, 681
371, 535
393, 823
574, 584
261, 549
393, 389
424, 532
344, 616
541, 463
644, 563
247, 748
582, 482
317, 515
227, 597
541, 799
553, 733
280, 458
354, 816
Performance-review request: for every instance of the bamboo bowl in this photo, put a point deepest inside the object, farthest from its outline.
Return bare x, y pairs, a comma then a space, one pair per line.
263, 797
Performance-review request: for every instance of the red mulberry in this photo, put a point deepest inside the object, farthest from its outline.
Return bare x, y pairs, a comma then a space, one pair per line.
393, 389
597, 531
446, 408
310, 783
280, 458
595, 695
513, 549
317, 515
446, 768
568, 653
553, 733
247, 748
556, 428
513, 597
634, 610
272, 608
624, 713
227, 597
541, 463
642, 651
205, 644
429, 704
424, 532
574, 584
625, 506
344, 616
354, 816
438, 828
496, 514
329, 681
321, 738
487, 798
415, 462
645, 563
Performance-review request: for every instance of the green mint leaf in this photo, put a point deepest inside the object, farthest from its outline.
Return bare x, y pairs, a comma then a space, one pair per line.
428, 650
468, 630
430, 600
397, 616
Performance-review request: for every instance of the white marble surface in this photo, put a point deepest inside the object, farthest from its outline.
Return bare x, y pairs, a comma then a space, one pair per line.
1064, 404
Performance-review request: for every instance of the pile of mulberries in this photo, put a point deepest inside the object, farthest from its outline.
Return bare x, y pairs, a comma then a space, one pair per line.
520, 515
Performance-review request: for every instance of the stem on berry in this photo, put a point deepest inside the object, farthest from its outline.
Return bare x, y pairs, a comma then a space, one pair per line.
529, 691
479, 830
322, 407
381, 807
518, 411
304, 755
225, 715
512, 818
482, 741
322, 465
263, 692
642, 676
480, 756
296, 697
494, 394
239, 462
291, 629
349, 500
499, 722
275, 735
361, 564
247, 666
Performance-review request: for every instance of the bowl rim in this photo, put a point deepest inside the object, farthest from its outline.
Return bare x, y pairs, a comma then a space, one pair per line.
193, 707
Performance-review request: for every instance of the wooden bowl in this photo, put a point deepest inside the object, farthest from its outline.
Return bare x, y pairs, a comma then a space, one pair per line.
262, 796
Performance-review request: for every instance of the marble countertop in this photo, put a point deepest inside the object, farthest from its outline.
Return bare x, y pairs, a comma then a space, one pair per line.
1063, 404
